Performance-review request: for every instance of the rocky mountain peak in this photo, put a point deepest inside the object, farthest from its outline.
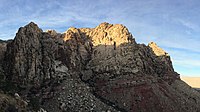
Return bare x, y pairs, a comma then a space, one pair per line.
108, 34
103, 34
71, 33
93, 69
32, 27
104, 25
32, 24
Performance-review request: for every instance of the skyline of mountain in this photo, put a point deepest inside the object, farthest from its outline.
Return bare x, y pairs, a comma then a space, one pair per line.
174, 25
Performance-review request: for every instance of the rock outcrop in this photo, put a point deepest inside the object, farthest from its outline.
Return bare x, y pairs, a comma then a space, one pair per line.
93, 69
2, 49
30, 57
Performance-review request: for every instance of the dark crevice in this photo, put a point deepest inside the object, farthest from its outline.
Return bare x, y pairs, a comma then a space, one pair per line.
42, 61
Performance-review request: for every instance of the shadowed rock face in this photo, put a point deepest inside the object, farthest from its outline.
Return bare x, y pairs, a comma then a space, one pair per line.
3, 49
30, 57
94, 69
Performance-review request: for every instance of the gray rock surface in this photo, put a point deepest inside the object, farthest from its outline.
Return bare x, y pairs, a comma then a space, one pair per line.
98, 69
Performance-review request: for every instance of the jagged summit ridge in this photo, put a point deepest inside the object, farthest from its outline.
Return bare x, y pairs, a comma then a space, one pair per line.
93, 69
32, 27
104, 34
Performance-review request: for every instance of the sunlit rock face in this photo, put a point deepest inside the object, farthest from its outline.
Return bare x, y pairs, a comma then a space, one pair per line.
104, 34
94, 69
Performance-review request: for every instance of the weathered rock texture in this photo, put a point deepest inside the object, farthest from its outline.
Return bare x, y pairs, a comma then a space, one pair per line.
93, 69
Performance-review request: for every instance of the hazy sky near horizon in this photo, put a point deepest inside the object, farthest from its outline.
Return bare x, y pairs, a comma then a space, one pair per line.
173, 24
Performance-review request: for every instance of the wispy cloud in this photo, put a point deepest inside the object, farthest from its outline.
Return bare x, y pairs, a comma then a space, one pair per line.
187, 58
188, 24
185, 62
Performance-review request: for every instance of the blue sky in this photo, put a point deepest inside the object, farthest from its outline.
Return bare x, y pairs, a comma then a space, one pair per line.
173, 24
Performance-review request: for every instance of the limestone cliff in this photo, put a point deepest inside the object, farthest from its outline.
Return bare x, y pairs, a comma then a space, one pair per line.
93, 69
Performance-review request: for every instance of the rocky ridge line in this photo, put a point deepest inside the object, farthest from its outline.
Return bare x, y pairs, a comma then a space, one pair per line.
93, 69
